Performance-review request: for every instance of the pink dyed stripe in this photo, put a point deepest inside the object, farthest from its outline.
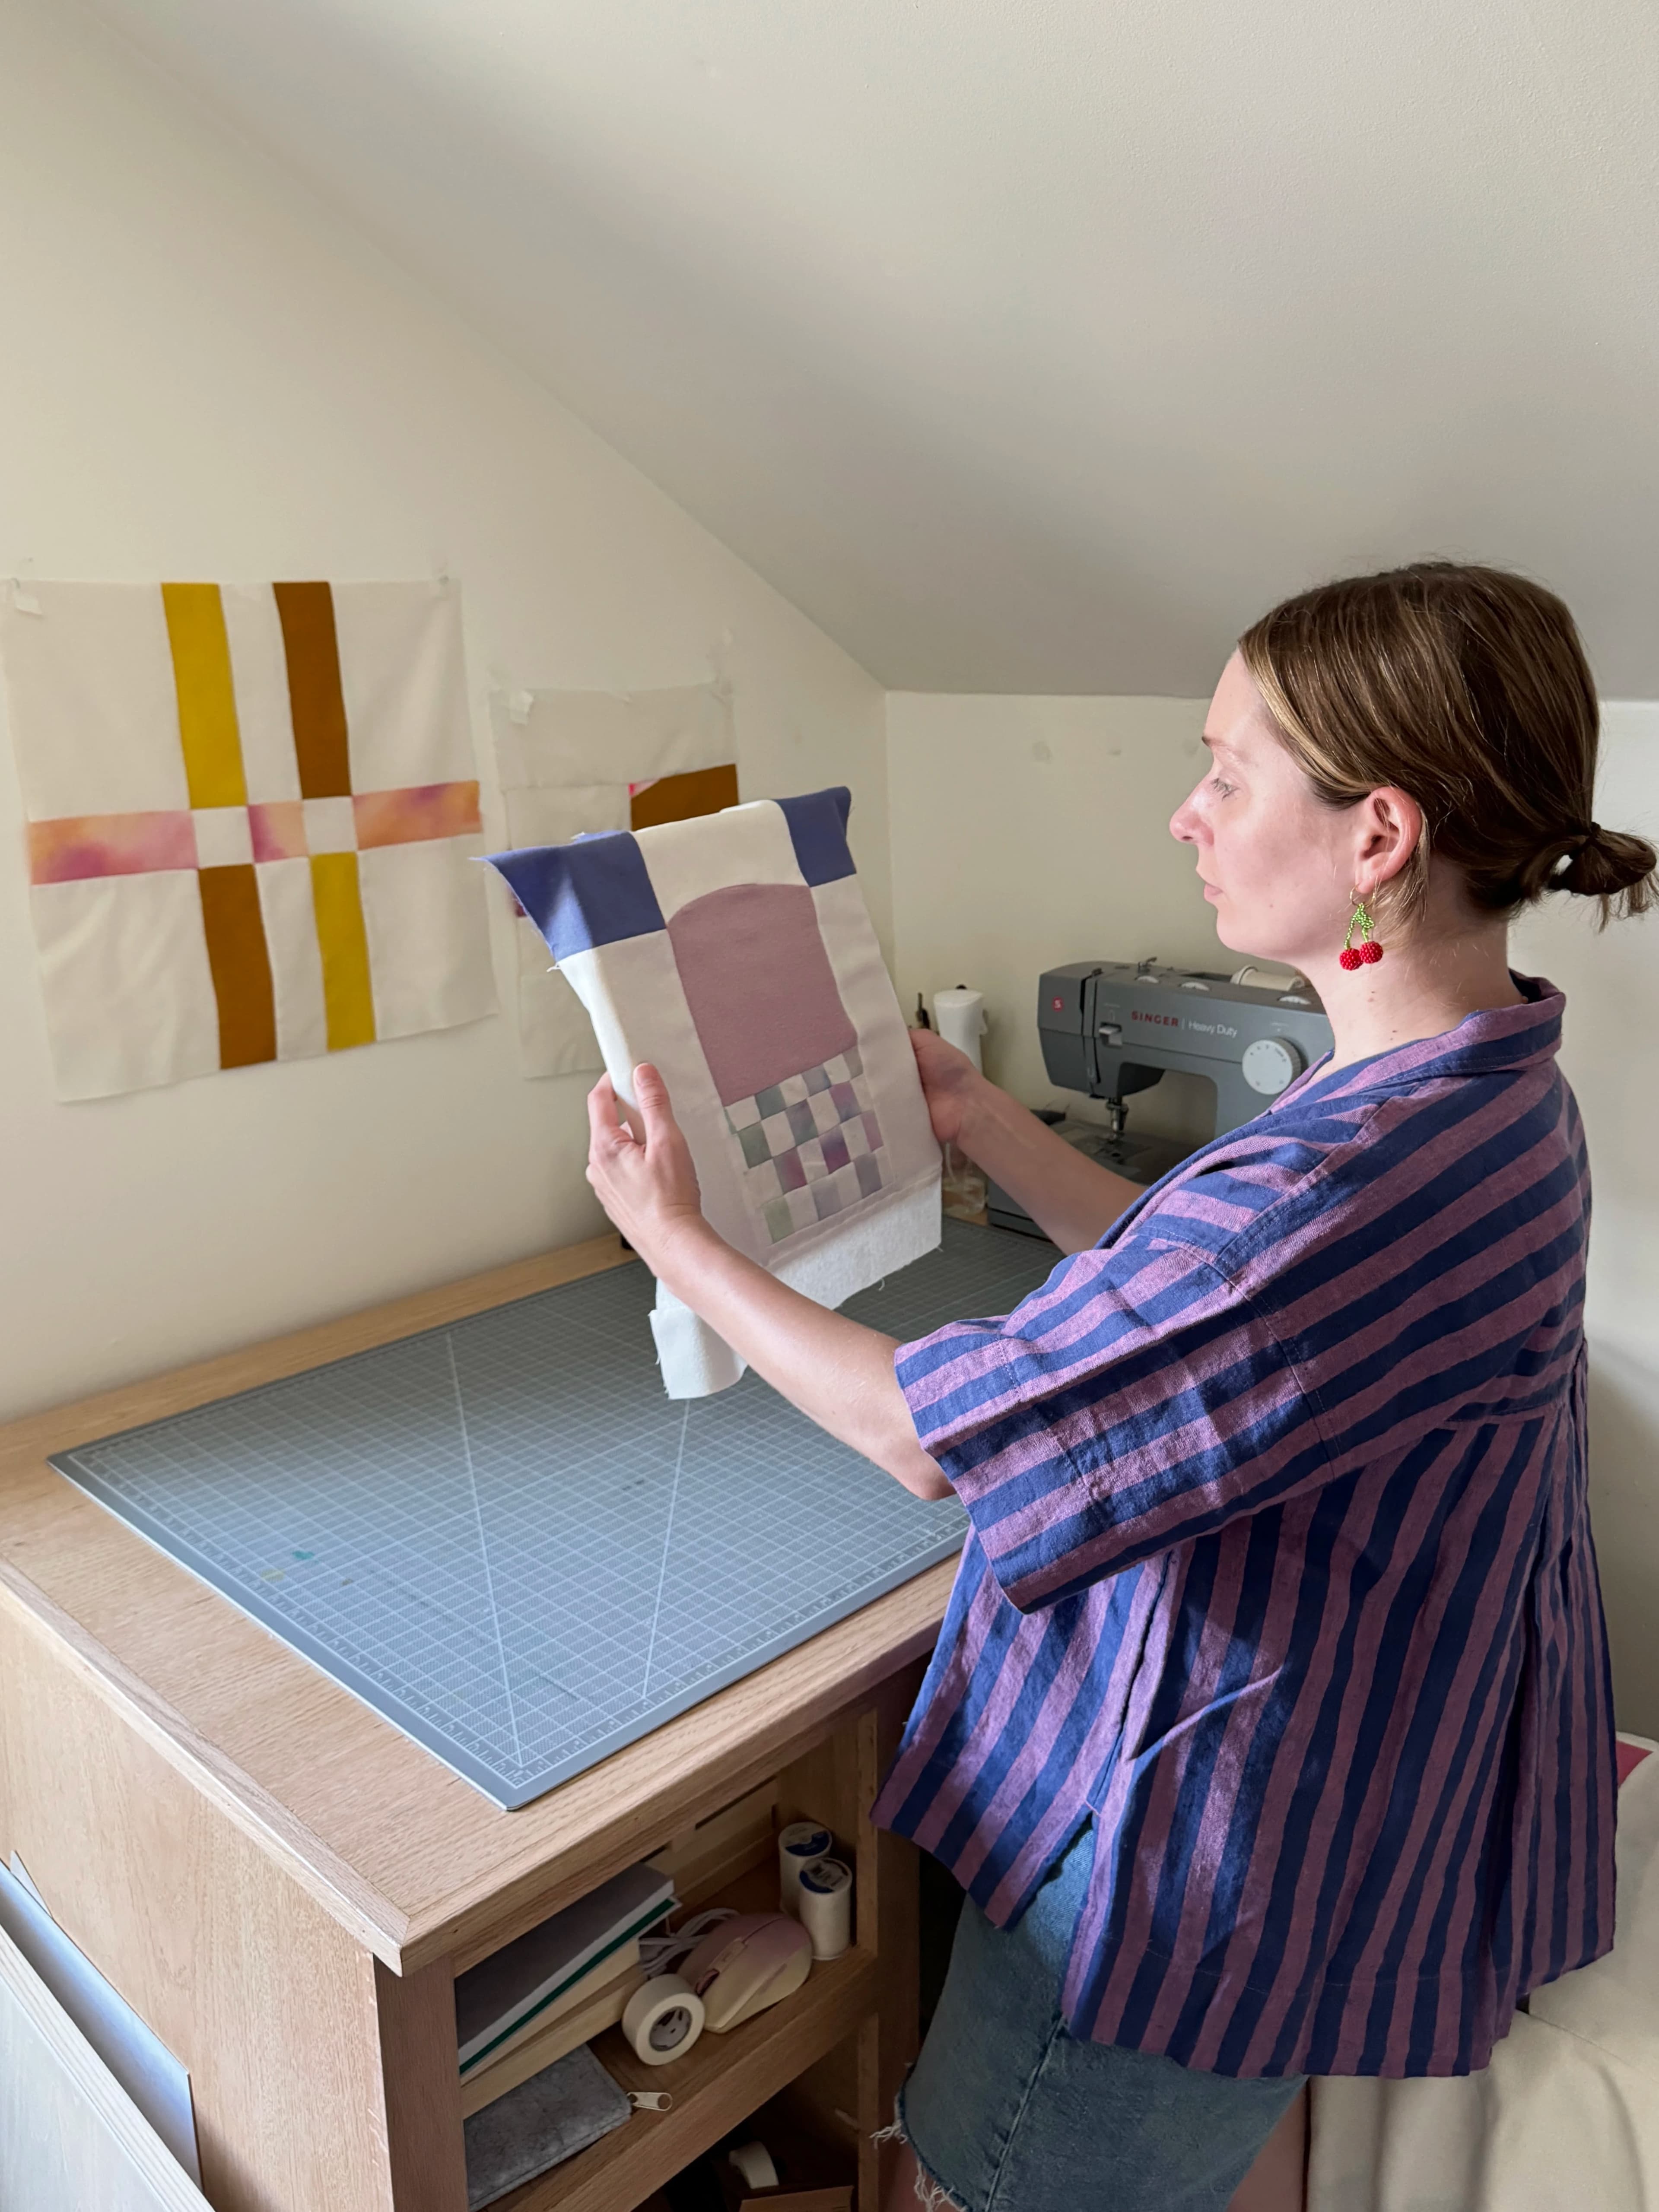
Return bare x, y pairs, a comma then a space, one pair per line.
278, 827
416, 815
76, 847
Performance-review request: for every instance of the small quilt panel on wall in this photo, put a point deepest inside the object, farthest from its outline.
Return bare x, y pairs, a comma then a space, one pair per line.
252, 814
734, 953
572, 764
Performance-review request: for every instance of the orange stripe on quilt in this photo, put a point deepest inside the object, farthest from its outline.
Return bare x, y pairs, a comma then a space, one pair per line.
679, 797
240, 960
277, 828
411, 815
316, 701
72, 848
207, 730
348, 992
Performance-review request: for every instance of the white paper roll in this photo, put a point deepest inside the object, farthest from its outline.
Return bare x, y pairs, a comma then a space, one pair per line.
663, 2020
826, 1906
960, 1015
798, 1845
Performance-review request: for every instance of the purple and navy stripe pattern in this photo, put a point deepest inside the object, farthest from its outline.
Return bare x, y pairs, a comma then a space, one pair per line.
1280, 1572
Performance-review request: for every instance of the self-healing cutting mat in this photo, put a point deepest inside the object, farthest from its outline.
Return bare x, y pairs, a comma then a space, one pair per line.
504, 1538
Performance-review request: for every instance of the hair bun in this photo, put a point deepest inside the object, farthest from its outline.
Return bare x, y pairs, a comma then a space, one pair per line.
1609, 864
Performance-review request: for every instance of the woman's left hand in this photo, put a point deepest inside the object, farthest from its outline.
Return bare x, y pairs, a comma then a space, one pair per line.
640, 1164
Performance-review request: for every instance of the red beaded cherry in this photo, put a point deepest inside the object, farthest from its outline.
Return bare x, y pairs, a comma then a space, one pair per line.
1348, 957
1370, 952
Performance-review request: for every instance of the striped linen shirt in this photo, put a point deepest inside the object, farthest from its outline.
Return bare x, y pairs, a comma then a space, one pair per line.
1280, 1572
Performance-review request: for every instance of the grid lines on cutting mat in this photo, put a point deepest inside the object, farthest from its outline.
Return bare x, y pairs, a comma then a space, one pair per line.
470, 1529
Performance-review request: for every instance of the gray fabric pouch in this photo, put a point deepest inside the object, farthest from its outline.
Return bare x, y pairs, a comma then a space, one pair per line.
543, 2121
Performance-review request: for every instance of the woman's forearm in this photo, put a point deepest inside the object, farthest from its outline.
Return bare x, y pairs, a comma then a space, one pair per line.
839, 1373
1072, 1198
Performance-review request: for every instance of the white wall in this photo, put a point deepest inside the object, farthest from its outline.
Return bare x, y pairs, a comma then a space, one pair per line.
1036, 344
204, 374
1610, 1054
1028, 831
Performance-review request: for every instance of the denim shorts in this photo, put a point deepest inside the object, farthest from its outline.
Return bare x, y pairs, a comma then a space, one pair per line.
1006, 2111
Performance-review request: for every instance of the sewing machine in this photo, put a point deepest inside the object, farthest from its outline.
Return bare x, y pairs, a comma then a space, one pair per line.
1110, 1030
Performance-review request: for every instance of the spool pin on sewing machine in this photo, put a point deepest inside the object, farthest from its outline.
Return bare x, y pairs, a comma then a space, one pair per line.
1110, 1030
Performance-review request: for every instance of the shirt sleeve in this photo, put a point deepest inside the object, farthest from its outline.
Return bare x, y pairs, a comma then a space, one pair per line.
1137, 1401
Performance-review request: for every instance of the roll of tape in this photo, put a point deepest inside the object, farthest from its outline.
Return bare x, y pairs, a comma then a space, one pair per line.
826, 1906
798, 1845
663, 2020
754, 2162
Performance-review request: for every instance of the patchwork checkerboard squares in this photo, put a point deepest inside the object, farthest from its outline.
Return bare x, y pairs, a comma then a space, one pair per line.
810, 1145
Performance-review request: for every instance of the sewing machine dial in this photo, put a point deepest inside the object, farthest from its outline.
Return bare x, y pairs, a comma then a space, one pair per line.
1270, 1064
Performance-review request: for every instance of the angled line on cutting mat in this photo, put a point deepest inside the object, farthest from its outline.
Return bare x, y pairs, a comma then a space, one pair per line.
483, 1544
667, 1539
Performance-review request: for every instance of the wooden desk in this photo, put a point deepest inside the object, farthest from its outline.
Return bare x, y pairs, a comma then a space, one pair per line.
285, 1886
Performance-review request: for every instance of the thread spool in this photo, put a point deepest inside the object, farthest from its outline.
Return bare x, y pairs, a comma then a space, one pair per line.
798, 1845
826, 1906
663, 2020
754, 2162
959, 1016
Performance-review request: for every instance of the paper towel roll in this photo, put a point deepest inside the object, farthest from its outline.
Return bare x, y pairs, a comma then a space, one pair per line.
960, 1015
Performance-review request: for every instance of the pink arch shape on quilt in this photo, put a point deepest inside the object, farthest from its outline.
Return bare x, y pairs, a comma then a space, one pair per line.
759, 984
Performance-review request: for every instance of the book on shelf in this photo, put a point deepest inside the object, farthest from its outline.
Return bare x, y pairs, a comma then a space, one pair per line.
607, 1973
598, 2003
503, 1994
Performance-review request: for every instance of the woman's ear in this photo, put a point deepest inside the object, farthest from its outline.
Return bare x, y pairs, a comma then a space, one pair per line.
1390, 828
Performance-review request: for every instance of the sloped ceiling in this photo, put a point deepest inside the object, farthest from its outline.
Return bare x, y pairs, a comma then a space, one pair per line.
1035, 344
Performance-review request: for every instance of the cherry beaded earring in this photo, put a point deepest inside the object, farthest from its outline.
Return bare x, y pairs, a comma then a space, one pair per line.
1368, 951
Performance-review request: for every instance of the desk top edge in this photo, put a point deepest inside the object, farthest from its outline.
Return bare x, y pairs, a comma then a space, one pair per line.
555, 1844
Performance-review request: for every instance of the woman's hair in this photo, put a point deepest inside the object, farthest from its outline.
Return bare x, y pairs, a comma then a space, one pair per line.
1468, 689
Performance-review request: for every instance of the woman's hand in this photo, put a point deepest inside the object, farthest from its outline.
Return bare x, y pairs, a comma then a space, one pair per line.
839, 1374
640, 1164
949, 1083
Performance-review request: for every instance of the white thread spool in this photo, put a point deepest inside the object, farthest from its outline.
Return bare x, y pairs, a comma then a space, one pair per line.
960, 1015
826, 1906
663, 2020
798, 1845
754, 2162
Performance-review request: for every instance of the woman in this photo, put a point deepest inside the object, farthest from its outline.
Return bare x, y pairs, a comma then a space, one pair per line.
1269, 1728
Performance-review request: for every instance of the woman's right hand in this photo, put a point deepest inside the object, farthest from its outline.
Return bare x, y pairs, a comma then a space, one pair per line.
950, 1081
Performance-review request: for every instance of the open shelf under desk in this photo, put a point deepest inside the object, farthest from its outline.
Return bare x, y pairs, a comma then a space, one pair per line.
719, 2082
838, 2046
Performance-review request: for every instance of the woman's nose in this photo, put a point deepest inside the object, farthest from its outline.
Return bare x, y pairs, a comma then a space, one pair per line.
1183, 822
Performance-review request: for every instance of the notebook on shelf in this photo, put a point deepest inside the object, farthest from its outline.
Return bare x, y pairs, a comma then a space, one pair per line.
549, 2037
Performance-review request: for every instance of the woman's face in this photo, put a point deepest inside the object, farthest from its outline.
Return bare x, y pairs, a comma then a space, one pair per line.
1276, 864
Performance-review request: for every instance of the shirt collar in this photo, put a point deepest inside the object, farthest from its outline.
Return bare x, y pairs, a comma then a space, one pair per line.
1498, 1041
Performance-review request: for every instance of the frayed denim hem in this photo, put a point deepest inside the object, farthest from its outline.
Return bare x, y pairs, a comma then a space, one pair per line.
931, 2193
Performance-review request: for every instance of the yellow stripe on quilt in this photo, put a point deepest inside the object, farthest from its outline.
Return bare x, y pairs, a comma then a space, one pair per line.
348, 992
207, 698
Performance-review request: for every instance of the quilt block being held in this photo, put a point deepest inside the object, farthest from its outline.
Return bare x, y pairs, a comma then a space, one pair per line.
734, 952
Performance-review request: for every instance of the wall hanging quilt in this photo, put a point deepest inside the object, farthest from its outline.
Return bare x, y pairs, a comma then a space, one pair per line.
574, 763
253, 811
734, 953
